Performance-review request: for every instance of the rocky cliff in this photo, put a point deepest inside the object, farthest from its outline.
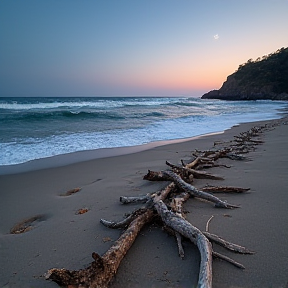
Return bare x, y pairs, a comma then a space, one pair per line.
264, 78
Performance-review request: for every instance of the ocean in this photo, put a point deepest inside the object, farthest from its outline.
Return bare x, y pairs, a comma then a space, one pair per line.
35, 128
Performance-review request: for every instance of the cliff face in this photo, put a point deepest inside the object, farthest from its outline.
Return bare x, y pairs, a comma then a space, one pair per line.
265, 78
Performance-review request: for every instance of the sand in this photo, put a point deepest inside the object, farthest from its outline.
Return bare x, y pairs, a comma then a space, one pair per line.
62, 229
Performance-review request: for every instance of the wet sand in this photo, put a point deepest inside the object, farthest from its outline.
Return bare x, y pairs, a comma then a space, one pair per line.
58, 226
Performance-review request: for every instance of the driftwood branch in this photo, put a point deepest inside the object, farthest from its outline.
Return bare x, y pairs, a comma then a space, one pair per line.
195, 173
195, 192
177, 207
155, 176
228, 245
186, 229
133, 199
224, 189
208, 222
179, 244
124, 223
228, 259
103, 268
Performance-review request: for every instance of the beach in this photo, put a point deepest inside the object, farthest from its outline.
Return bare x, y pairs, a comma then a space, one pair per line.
63, 236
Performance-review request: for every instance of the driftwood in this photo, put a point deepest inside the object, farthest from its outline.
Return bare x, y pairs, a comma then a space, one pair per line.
177, 207
193, 191
228, 259
228, 245
224, 189
195, 173
184, 228
103, 268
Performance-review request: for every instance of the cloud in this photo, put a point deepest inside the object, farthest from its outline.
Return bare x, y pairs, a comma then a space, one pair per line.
216, 36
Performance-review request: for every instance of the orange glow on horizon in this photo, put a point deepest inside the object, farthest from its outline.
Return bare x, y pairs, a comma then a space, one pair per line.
163, 77
171, 80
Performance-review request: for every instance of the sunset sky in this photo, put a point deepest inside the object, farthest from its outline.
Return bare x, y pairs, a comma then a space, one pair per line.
132, 47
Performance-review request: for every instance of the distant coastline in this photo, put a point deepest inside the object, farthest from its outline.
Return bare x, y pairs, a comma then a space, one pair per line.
265, 78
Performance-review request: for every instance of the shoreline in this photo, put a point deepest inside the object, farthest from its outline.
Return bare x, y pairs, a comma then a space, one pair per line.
88, 155
49, 148
62, 238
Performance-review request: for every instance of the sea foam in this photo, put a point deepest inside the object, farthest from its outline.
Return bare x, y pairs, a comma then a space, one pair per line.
34, 128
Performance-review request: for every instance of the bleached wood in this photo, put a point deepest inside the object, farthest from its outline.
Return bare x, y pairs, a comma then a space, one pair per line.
189, 231
195, 192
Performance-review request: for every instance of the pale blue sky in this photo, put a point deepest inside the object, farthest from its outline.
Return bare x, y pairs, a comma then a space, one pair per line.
132, 48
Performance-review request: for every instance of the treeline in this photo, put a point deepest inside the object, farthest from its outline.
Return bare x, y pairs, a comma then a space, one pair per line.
269, 71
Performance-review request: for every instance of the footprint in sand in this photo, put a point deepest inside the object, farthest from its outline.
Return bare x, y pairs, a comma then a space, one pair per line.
27, 224
71, 192
77, 189
82, 211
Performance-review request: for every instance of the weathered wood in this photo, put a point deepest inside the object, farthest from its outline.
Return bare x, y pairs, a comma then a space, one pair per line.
177, 207
134, 199
204, 175
228, 259
193, 164
177, 203
189, 231
124, 223
182, 172
246, 137
102, 270
227, 152
208, 222
228, 245
179, 245
224, 189
195, 192
234, 156
195, 173
155, 176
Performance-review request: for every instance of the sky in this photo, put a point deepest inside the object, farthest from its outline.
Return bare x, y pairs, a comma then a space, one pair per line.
132, 47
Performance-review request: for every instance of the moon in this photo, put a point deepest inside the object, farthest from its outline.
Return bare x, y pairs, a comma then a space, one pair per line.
216, 36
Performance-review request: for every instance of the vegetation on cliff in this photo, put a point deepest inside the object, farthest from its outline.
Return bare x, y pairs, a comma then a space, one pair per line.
264, 78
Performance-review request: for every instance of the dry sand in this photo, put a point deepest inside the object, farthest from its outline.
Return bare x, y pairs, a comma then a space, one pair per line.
62, 238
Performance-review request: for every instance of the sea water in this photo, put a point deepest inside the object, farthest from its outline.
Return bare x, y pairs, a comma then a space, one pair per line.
34, 128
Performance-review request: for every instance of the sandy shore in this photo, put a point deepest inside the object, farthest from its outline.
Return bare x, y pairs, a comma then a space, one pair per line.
62, 238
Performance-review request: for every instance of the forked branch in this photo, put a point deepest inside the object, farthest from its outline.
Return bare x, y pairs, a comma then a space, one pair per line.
195, 192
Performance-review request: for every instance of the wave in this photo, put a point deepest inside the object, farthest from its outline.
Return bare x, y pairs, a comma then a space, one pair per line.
58, 115
94, 103
77, 115
75, 124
